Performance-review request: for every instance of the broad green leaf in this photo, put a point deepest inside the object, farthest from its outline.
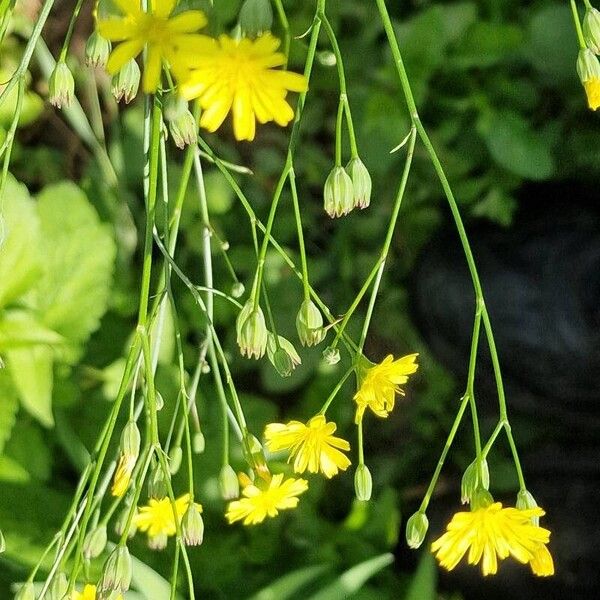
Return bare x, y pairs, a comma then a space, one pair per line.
424, 583
285, 587
31, 370
29, 447
353, 579
19, 242
19, 328
9, 405
149, 583
11, 470
79, 253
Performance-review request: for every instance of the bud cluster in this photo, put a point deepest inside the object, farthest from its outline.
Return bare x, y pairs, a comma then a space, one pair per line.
347, 188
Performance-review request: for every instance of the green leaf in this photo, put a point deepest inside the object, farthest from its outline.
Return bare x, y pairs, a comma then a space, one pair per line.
20, 328
424, 583
147, 581
31, 370
285, 587
486, 44
19, 255
9, 405
79, 253
353, 579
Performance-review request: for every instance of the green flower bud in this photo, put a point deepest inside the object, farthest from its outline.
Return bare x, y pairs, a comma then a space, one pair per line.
97, 50
184, 130
26, 592
237, 289
158, 542
481, 499
198, 442
228, 483
416, 529
175, 456
58, 588
126, 82
473, 479
192, 526
61, 86
283, 357
130, 440
116, 574
94, 542
361, 182
591, 29
309, 324
157, 484
331, 355
363, 483
2, 542
174, 106
121, 523
257, 457
588, 66
526, 501
338, 193
256, 17
251, 331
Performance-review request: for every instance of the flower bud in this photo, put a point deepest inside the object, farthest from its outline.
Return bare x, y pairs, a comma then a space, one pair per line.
588, 69
126, 82
198, 442
481, 499
361, 182
237, 289
228, 483
474, 478
61, 86
416, 529
331, 355
174, 106
129, 452
157, 485
309, 324
26, 592
184, 130
338, 193
131, 439
283, 357
256, 17
2, 542
251, 331
175, 456
116, 574
158, 542
160, 401
58, 588
97, 49
591, 29
121, 523
192, 525
94, 542
257, 457
363, 483
526, 501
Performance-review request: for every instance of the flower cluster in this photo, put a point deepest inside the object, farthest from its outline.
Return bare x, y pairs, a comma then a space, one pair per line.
588, 65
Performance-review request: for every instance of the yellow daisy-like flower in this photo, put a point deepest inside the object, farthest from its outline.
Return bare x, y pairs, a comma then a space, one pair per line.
313, 445
157, 518
123, 475
239, 76
89, 593
380, 384
258, 504
490, 533
592, 91
168, 39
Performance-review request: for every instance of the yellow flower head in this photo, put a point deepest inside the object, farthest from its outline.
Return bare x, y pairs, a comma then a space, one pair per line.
157, 517
490, 533
239, 76
123, 475
592, 91
168, 39
313, 445
258, 504
88, 593
380, 384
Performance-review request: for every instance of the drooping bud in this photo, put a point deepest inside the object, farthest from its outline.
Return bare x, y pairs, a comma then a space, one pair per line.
95, 542
58, 588
26, 592
591, 29
331, 355
256, 17
2, 542
126, 82
481, 499
361, 182
174, 106
192, 525
257, 457
283, 356
158, 542
160, 401
97, 49
251, 331
416, 529
363, 483
61, 86
198, 442
228, 483
237, 289
526, 501
588, 69
116, 574
309, 324
157, 485
129, 452
121, 523
474, 477
184, 130
338, 193
175, 456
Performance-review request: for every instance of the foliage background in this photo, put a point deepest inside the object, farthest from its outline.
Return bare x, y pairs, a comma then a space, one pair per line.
497, 89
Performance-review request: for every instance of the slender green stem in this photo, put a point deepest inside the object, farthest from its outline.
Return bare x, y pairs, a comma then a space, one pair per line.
470, 383
338, 133
361, 450
488, 446
577, 22
67, 41
336, 390
303, 261
285, 25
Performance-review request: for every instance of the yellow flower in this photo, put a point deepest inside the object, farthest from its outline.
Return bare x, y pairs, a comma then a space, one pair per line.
261, 503
88, 593
123, 475
490, 533
592, 91
314, 445
157, 517
380, 384
239, 76
168, 39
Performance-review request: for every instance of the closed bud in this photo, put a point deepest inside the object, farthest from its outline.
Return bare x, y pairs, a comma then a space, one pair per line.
309, 324
331, 355
526, 501
361, 182
237, 289
174, 106
481, 498
256, 17
97, 49
257, 457
416, 529
126, 82
95, 542
58, 588
121, 523
283, 356
175, 456
251, 331
473, 478
160, 401
228, 483
61, 86
2, 542
131, 439
192, 525
591, 29
157, 485
363, 483
588, 69
116, 574
184, 130
129, 452
198, 442
338, 193
26, 592
158, 542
